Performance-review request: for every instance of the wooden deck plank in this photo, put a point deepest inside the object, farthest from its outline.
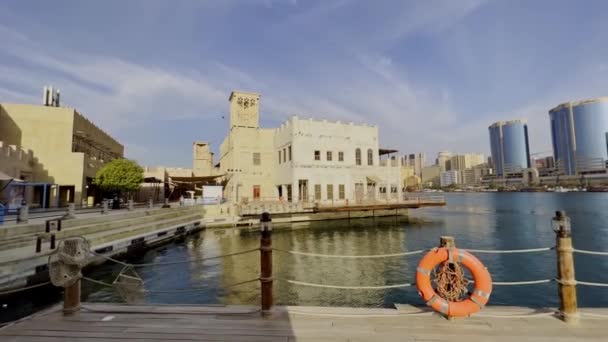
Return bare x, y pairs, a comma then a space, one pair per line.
104, 322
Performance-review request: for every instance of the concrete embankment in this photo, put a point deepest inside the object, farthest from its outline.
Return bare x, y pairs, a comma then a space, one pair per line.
24, 249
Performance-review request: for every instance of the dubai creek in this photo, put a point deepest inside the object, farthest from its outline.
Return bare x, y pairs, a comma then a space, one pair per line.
477, 220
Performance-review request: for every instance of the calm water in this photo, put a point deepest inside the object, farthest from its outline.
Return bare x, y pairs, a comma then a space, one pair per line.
476, 220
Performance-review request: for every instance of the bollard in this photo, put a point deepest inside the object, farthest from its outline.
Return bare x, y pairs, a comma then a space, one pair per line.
104, 207
23, 213
71, 298
181, 201
38, 244
71, 211
150, 203
566, 286
130, 205
166, 205
447, 241
52, 241
266, 261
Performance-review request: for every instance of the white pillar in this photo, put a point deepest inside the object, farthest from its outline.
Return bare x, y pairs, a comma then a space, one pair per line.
295, 192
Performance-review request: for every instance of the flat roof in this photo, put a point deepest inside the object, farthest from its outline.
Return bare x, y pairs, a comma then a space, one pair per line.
504, 123
579, 102
241, 92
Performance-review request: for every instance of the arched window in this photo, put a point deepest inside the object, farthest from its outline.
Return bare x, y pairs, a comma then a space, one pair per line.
370, 157
358, 156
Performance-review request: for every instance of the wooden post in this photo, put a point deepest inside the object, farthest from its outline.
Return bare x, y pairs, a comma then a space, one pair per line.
565, 268
447, 241
266, 261
71, 298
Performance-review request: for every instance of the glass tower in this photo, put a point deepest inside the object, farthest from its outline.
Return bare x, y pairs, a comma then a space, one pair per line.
509, 146
579, 132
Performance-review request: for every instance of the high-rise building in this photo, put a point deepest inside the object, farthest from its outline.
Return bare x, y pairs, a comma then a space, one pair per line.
415, 160
442, 158
579, 132
464, 161
510, 147
448, 178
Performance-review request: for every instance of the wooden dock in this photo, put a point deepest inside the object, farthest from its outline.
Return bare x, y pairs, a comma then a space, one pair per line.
105, 322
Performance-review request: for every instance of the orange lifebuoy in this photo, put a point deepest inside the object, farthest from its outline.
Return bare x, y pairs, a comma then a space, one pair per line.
476, 300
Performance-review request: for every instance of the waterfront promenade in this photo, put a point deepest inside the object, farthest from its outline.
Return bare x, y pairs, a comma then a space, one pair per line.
103, 322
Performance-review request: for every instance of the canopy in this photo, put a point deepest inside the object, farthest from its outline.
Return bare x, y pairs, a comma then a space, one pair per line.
5, 177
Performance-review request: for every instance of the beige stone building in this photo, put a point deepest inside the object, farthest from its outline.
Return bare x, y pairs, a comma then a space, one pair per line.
69, 150
303, 160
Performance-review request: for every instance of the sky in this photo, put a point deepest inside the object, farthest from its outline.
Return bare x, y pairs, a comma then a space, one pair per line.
432, 74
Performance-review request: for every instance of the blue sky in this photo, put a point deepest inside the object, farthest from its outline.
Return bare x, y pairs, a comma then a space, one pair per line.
432, 74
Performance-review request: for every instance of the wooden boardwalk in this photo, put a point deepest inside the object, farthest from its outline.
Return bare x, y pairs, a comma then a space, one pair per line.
104, 322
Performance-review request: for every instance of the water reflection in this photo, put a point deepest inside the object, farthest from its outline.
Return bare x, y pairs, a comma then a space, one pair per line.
482, 221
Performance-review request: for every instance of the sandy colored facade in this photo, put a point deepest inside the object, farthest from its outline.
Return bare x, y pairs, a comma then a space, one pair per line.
69, 148
303, 160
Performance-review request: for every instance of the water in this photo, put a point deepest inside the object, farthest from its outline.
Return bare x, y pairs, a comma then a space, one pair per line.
476, 220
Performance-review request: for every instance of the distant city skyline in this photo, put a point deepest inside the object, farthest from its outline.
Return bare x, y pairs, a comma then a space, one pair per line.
431, 74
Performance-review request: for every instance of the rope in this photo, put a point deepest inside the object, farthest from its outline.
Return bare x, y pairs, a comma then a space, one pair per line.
351, 256
578, 282
490, 251
174, 262
295, 282
190, 289
109, 258
582, 251
451, 282
515, 283
97, 281
2, 293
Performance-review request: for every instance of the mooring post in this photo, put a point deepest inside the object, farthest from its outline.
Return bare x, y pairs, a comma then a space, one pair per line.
565, 268
166, 205
71, 211
266, 261
71, 298
447, 241
23, 213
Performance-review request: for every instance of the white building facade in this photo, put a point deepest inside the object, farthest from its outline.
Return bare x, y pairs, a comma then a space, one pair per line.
448, 178
304, 160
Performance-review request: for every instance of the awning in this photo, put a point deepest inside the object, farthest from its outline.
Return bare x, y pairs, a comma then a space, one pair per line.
5, 177
373, 179
383, 151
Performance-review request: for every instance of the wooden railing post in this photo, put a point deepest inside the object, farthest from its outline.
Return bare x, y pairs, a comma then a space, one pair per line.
565, 268
71, 298
266, 261
447, 241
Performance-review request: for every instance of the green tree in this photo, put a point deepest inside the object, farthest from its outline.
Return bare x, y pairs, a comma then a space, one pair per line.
120, 175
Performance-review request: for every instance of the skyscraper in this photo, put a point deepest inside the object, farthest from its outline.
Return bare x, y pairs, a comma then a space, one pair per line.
579, 132
510, 146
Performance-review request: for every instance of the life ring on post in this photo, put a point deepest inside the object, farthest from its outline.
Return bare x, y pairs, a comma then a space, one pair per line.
476, 300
